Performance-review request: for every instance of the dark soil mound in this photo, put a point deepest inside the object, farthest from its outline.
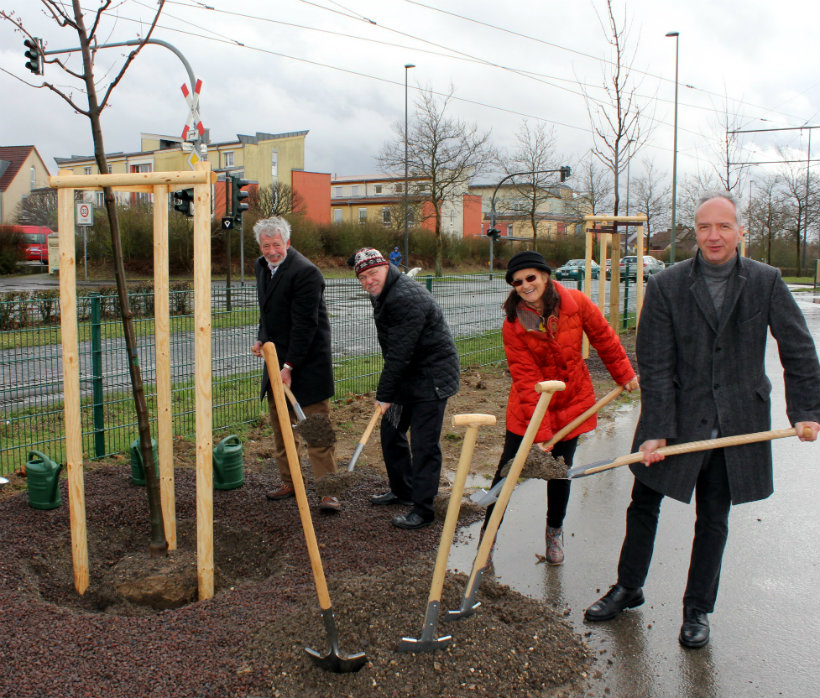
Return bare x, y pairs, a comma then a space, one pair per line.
249, 639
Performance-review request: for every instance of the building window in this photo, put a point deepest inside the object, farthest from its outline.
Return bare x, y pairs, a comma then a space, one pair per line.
87, 170
355, 190
386, 216
338, 192
99, 199
337, 215
509, 229
399, 188
274, 164
362, 215
227, 158
378, 188
32, 179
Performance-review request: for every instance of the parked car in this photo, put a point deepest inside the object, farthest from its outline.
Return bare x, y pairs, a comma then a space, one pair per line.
574, 270
32, 242
651, 265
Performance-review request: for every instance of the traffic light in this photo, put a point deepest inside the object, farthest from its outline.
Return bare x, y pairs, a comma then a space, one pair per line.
184, 201
34, 53
238, 207
493, 233
565, 172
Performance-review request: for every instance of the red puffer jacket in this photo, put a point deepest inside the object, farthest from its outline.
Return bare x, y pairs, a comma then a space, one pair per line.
534, 356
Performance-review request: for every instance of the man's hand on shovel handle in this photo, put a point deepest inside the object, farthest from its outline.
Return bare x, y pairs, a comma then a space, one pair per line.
649, 447
807, 431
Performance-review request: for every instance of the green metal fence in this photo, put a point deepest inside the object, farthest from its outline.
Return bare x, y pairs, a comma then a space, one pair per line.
31, 408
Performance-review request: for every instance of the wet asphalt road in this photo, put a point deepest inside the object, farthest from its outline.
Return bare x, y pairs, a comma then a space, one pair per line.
766, 625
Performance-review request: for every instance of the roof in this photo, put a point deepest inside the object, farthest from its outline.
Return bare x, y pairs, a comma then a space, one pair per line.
12, 158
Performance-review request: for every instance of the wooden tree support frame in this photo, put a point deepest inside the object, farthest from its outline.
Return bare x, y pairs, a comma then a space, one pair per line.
605, 241
159, 184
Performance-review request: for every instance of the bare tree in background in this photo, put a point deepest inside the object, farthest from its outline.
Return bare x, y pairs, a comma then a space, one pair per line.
652, 195
618, 119
534, 153
793, 179
728, 166
38, 208
767, 214
275, 199
73, 17
442, 155
596, 184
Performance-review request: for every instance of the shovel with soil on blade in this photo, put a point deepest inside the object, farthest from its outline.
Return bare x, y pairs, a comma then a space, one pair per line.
428, 641
688, 447
316, 430
540, 463
334, 660
468, 602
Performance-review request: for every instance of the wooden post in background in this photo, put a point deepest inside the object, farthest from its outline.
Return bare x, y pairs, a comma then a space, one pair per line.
202, 373
71, 388
162, 362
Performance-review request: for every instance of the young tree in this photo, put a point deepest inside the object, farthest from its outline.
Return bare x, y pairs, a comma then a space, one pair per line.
652, 196
275, 199
533, 155
442, 155
617, 121
596, 185
38, 208
73, 17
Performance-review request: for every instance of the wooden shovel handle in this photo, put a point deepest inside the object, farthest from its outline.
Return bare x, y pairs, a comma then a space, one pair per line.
370, 425
581, 418
277, 388
297, 408
546, 388
472, 421
703, 445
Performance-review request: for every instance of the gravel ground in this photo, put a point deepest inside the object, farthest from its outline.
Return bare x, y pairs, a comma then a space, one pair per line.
249, 639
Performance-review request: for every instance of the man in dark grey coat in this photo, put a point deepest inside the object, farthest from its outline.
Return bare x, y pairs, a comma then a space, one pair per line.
701, 358
421, 371
293, 315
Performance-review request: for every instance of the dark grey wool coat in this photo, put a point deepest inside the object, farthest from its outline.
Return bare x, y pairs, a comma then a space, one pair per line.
293, 315
700, 372
420, 356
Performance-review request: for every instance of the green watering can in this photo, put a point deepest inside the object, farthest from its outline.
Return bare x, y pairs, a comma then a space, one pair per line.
43, 477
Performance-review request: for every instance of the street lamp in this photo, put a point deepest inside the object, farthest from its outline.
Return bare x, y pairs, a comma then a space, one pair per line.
407, 67
674, 157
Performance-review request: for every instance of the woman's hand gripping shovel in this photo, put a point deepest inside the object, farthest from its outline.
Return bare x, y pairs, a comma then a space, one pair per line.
428, 641
333, 660
468, 602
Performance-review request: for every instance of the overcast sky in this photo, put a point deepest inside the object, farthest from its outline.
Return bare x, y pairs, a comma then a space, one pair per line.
337, 70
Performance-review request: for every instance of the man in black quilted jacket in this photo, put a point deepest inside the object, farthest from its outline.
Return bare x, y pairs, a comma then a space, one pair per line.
421, 371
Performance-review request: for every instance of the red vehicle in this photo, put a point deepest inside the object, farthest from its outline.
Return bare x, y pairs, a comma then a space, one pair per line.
32, 242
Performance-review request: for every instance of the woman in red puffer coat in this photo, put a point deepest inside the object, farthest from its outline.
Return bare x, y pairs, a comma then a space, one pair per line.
543, 335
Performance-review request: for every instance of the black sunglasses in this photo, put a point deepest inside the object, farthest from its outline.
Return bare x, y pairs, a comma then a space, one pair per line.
529, 279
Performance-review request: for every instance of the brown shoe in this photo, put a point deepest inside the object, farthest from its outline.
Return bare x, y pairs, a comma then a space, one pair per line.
329, 504
283, 492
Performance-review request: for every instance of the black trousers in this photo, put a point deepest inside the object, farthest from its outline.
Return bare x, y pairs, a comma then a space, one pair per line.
557, 489
414, 466
712, 504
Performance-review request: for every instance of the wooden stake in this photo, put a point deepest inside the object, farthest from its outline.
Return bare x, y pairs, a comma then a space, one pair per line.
71, 388
162, 361
204, 420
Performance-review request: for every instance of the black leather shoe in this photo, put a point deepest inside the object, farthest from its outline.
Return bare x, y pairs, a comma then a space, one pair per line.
694, 632
389, 498
613, 602
410, 521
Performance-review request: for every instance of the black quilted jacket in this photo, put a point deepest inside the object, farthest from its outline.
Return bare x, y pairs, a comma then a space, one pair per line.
420, 357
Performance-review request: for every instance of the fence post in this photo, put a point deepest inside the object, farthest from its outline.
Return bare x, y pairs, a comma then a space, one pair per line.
96, 376
626, 295
430, 283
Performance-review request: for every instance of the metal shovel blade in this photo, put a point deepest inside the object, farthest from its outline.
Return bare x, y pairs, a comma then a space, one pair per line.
468, 602
484, 498
583, 470
334, 660
428, 641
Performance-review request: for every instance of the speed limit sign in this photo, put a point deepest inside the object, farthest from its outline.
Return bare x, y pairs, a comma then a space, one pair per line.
84, 214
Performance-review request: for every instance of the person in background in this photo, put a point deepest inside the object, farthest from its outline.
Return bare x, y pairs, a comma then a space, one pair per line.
421, 371
543, 333
292, 315
395, 257
701, 352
